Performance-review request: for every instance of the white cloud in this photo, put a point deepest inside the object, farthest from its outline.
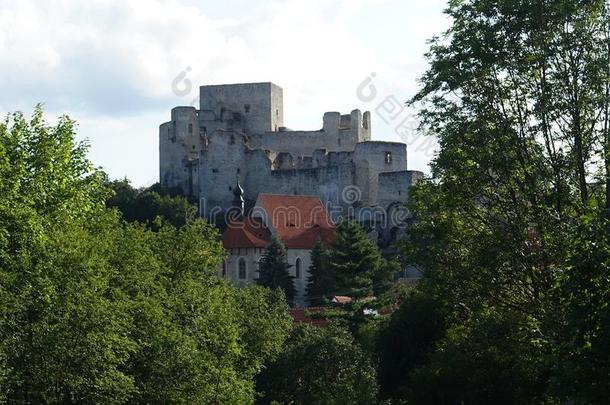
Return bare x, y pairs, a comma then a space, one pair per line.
111, 63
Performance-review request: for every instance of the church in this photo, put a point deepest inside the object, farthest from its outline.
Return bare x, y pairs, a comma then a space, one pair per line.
298, 221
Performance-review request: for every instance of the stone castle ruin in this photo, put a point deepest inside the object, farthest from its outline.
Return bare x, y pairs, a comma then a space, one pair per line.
238, 135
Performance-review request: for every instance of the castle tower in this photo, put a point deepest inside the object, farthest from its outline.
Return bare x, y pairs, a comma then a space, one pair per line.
251, 107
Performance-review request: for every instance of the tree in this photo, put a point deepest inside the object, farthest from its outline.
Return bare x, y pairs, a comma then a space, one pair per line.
145, 205
319, 281
517, 94
483, 361
64, 336
319, 366
384, 278
354, 261
583, 362
405, 343
273, 270
97, 310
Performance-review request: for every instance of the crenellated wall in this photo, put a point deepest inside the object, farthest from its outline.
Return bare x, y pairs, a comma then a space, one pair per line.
339, 133
371, 159
179, 150
238, 132
228, 157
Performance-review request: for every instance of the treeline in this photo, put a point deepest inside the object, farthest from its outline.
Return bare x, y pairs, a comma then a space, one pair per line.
512, 231
513, 227
144, 205
109, 295
98, 310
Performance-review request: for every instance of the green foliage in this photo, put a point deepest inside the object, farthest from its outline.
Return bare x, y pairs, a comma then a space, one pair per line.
319, 366
385, 276
64, 336
352, 266
354, 261
584, 349
212, 345
488, 361
320, 280
273, 270
518, 95
406, 342
97, 310
145, 205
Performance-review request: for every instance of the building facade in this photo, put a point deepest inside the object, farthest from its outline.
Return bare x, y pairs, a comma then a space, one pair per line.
297, 221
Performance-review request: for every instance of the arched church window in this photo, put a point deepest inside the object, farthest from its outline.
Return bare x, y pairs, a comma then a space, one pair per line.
258, 268
241, 268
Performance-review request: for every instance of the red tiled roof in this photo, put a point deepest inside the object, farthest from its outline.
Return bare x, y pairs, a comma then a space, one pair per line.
299, 220
303, 315
249, 233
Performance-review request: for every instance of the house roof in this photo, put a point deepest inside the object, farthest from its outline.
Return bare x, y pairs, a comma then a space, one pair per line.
250, 232
298, 221
341, 299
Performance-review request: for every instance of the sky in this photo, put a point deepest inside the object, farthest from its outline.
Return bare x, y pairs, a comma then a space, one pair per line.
118, 67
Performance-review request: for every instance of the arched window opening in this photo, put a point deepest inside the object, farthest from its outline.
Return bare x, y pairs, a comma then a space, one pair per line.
297, 268
258, 268
241, 268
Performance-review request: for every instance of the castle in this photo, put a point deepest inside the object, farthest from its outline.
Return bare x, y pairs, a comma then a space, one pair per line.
238, 135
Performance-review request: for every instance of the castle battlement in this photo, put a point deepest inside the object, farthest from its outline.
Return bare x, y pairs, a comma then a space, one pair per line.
238, 131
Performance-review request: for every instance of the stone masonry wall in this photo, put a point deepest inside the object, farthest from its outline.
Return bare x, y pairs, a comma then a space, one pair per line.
252, 257
260, 105
394, 187
238, 133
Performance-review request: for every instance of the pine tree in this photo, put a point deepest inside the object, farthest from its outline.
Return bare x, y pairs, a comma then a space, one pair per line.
320, 282
273, 270
354, 260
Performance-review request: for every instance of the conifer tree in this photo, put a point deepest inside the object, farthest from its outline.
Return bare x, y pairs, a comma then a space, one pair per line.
320, 281
354, 261
273, 270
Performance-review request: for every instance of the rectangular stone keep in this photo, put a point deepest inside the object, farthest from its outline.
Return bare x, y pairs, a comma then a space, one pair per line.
260, 106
